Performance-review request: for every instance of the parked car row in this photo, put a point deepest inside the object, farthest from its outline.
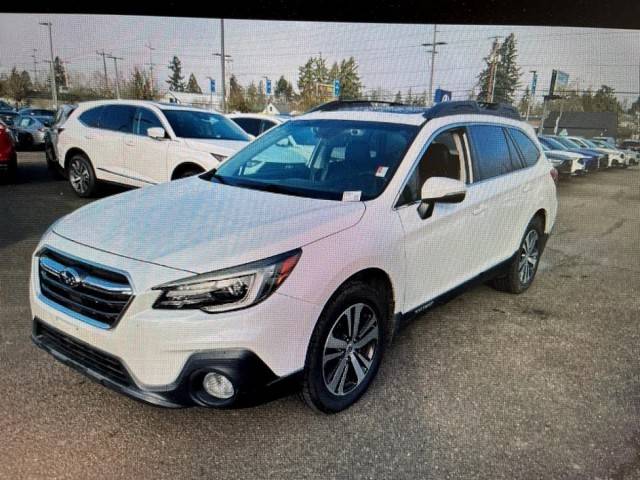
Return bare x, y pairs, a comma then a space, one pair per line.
573, 155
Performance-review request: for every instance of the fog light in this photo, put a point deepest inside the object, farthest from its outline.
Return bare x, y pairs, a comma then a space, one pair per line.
217, 385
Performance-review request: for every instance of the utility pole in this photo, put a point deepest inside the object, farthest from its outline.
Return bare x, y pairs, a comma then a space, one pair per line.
35, 67
433, 52
494, 58
222, 65
151, 64
54, 87
532, 92
104, 64
115, 65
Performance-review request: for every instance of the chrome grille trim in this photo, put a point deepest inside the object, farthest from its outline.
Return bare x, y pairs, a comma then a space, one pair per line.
93, 294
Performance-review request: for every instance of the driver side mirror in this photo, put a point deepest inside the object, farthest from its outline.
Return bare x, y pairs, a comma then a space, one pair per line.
157, 133
440, 190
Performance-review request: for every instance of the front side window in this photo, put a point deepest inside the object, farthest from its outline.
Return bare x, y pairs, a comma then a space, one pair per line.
444, 157
118, 118
203, 125
24, 122
145, 119
528, 149
329, 159
491, 152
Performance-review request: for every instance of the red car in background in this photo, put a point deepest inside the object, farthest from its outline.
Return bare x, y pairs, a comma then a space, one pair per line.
8, 157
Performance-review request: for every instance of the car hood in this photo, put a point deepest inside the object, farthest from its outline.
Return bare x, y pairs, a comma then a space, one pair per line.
214, 145
563, 154
200, 226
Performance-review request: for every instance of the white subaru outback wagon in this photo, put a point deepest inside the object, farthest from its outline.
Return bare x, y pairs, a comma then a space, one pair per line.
298, 258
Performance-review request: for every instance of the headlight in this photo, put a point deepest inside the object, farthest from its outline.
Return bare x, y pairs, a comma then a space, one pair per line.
220, 158
229, 289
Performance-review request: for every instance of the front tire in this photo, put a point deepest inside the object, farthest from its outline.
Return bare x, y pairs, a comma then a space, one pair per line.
81, 176
52, 162
523, 266
346, 348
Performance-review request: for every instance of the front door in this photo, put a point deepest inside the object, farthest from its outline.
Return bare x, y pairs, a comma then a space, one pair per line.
145, 158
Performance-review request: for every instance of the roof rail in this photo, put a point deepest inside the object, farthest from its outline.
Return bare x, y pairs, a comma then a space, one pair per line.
445, 109
334, 105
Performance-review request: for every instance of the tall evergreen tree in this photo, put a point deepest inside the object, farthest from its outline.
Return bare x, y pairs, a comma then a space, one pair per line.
398, 97
176, 79
312, 76
507, 72
60, 73
283, 90
236, 101
192, 85
347, 74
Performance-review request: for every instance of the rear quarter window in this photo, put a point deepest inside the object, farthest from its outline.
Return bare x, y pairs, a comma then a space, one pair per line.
528, 149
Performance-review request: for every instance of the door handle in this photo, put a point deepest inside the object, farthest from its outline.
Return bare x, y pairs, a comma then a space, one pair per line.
131, 143
90, 137
478, 210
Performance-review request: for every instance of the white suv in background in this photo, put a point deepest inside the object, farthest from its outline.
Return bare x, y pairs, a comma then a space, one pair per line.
300, 256
140, 143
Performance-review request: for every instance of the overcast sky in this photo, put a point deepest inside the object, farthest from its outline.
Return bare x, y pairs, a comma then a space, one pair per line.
390, 56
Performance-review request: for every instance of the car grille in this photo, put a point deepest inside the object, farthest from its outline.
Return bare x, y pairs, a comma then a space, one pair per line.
94, 292
81, 353
604, 161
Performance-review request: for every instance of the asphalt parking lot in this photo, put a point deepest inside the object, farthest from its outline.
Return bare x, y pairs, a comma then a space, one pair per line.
490, 385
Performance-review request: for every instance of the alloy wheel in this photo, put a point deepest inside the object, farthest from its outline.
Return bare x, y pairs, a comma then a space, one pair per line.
79, 176
529, 255
350, 349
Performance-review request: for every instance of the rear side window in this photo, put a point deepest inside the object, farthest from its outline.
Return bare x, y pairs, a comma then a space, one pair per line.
91, 118
118, 118
528, 149
491, 152
266, 125
249, 125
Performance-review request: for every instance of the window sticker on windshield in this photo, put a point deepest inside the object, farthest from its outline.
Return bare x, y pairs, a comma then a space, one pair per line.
351, 196
381, 171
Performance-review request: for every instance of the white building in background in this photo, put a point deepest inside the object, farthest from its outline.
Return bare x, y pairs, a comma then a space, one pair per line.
201, 100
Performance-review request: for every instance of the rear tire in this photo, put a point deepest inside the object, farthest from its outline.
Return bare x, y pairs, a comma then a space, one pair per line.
82, 178
523, 266
344, 353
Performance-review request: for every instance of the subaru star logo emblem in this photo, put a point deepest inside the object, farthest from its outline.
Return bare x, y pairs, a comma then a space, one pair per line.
70, 277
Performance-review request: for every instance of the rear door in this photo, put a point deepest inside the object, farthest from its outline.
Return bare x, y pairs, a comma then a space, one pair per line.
497, 192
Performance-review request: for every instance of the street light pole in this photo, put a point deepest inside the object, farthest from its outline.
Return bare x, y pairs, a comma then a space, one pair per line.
494, 67
223, 59
54, 88
115, 64
104, 64
433, 52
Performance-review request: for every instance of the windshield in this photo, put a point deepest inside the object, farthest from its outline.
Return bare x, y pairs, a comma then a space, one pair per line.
329, 159
594, 144
203, 125
567, 143
552, 143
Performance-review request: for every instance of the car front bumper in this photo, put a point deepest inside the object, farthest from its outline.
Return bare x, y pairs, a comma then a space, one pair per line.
160, 351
